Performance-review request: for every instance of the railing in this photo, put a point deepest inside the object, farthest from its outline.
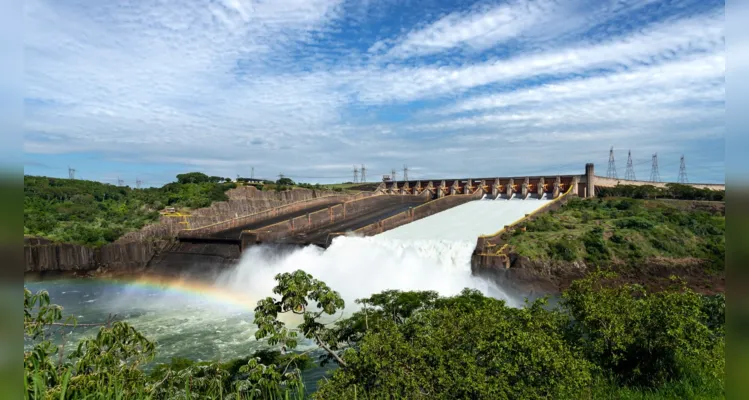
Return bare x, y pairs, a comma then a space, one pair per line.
267, 228
407, 216
270, 210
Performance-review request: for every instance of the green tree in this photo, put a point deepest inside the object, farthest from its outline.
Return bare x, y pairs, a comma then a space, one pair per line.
193, 177
285, 182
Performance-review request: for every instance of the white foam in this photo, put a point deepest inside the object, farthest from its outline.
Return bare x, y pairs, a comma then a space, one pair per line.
433, 253
467, 221
358, 267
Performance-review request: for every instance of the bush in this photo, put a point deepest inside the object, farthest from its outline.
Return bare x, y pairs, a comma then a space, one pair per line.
595, 245
634, 223
564, 249
453, 350
639, 338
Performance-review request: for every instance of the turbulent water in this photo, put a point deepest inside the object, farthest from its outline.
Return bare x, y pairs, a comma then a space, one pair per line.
216, 324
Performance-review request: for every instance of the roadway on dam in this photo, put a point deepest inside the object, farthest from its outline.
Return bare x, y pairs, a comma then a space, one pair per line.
234, 233
319, 236
468, 221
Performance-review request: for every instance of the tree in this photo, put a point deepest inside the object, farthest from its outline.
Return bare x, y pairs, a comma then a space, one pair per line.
416, 345
297, 290
193, 177
285, 182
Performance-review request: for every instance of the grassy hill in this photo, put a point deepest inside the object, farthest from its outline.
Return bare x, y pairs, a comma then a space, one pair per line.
626, 231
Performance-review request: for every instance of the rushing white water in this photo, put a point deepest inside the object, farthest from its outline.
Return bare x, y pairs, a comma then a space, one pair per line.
467, 221
433, 253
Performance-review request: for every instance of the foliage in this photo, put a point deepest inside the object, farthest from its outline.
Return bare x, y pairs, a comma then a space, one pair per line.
109, 365
297, 290
93, 213
671, 191
603, 340
639, 338
467, 346
285, 182
603, 231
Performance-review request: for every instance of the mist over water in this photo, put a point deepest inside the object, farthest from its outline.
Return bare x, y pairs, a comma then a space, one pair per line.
433, 253
357, 267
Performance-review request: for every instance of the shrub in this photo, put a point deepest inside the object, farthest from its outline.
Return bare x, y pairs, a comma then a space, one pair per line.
564, 249
641, 338
634, 223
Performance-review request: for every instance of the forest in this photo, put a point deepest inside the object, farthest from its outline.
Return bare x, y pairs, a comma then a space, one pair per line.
602, 340
94, 213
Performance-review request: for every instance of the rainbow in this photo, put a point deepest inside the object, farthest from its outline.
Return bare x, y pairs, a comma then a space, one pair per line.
189, 288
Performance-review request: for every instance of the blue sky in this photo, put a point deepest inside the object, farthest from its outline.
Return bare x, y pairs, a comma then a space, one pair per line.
307, 88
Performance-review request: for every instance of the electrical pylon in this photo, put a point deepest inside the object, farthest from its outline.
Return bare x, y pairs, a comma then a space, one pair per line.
655, 176
683, 171
611, 171
630, 174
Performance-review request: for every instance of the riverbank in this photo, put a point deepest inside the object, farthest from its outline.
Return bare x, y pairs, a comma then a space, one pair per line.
643, 241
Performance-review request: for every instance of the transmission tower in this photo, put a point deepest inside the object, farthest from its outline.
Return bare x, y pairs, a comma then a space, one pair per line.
392, 175
363, 174
138, 183
630, 174
405, 172
655, 176
356, 174
71, 173
683, 171
611, 172
252, 173
120, 182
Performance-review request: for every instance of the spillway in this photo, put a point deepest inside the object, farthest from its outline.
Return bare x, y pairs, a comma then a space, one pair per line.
468, 221
433, 253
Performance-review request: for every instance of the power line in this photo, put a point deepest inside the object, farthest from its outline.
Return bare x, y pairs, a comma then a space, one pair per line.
683, 171
363, 174
630, 174
655, 176
611, 171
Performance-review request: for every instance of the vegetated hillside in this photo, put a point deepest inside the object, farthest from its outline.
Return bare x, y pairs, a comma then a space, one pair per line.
94, 213
671, 191
626, 231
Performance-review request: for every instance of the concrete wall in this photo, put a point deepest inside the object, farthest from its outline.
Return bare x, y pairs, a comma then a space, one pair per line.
262, 215
321, 218
44, 256
243, 201
414, 214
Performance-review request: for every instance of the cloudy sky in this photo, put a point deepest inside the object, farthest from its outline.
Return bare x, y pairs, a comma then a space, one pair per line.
307, 88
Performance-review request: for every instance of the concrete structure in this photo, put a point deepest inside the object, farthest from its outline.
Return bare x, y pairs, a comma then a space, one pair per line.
583, 185
311, 217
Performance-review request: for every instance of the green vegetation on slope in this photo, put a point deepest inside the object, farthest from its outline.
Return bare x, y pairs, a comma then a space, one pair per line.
671, 191
603, 231
94, 213
604, 340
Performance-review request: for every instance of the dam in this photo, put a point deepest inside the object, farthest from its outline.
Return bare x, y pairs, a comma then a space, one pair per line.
456, 209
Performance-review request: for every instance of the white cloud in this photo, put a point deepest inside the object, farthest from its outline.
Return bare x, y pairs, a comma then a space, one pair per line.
279, 85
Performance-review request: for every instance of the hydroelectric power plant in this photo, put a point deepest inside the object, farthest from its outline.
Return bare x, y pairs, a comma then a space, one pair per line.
443, 235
